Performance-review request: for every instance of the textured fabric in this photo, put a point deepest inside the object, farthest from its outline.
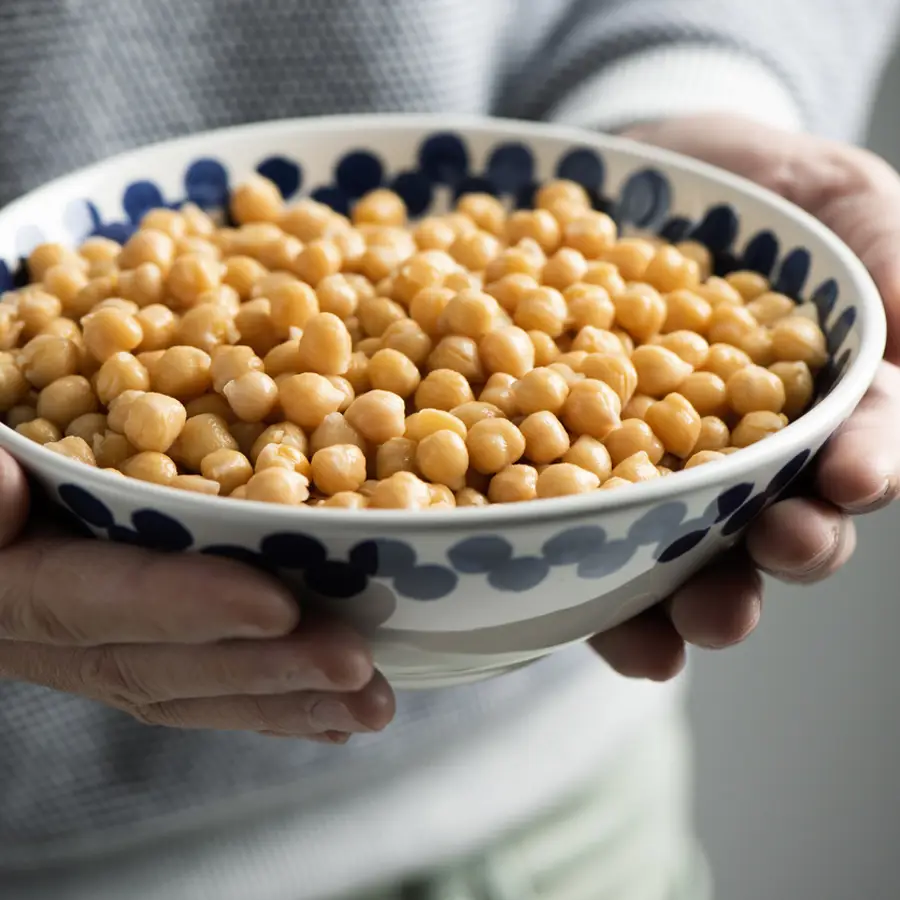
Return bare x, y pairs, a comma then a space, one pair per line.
82, 79
625, 835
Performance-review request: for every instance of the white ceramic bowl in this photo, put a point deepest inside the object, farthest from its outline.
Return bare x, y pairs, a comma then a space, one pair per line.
458, 595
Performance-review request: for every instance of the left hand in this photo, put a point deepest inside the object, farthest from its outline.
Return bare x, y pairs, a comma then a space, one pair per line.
799, 540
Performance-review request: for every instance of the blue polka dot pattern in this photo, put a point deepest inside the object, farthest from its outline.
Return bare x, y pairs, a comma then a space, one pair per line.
86, 506
718, 228
794, 271
426, 582
444, 158
140, 197
510, 168
645, 200
574, 545
161, 532
479, 555
584, 166
519, 575
824, 298
761, 253
358, 172
383, 557
285, 173
206, 183
293, 551
416, 190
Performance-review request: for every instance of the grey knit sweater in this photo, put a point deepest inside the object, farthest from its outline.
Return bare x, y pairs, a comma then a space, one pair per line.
82, 79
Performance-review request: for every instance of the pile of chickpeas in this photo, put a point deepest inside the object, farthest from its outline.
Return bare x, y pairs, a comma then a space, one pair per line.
478, 357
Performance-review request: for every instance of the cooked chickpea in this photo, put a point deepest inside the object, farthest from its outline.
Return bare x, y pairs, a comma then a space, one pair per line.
442, 457
614, 482
659, 371
41, 431
564, 479
768, 308
65, 283
458, 354
148, 245
671, 270
475, 250
66, 399
111, 450
396, 455
73, 448
636, 468
284, 359
798, 386
156, 468
253, 396
676, 423
546, 440
700, 254
87, 427
633, 436
539, 225
143, 286
158, 325
631, 256
690, 346
307, 398
470, 497
798, 339
717, 292
110, 331
443, 389
590, 454
706, 392
191, 276
46, 358
474, 411
755, 426
427, 421
183, 373
687, 311
379, 207
256, 200
338, 468
402, 490
390, 370
121, 372
344, 386
499, 391
378, 416
724, 360
229, 363
508, 350
434, 234
427, 308
228, 468
714, 434
335, 429
153, 421
540, 390
325, 347
345, 500
215, 404
640, 311
729, 324
564, 268
749, 285
701, 457
278, 485
591, 234
514, 484
206, 327
195, 484
754, 388
494, 444
543, 309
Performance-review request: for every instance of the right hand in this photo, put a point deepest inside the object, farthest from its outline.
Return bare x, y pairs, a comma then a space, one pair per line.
176, 640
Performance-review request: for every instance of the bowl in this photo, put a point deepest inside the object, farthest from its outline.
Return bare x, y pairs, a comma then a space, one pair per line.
454, 596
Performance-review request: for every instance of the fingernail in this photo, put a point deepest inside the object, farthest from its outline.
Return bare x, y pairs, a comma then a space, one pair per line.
331, 737
876, 499
332, 715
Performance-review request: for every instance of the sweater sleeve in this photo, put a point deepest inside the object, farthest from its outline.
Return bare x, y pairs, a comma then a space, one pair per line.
812, 64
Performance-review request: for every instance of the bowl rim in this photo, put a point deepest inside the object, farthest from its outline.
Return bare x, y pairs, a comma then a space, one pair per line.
823, 419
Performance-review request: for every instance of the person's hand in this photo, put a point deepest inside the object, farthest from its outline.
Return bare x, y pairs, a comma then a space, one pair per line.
175, 640
802, 539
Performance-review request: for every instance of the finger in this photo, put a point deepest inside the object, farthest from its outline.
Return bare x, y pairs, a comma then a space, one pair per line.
321, 657
721, 605
296, 714
87, 593
647, 646
801, 540
859, 469
13, 499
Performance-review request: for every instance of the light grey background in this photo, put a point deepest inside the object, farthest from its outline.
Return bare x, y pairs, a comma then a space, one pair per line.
798, 730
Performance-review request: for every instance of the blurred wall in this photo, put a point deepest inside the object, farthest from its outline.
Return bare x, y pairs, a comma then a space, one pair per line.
798, 731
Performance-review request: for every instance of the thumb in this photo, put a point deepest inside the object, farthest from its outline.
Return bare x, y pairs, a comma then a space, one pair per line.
13, 499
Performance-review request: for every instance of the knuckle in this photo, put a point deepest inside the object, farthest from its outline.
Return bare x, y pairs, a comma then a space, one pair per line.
106, 671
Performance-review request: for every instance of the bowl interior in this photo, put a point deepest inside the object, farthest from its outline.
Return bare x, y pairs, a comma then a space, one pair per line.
430, 161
